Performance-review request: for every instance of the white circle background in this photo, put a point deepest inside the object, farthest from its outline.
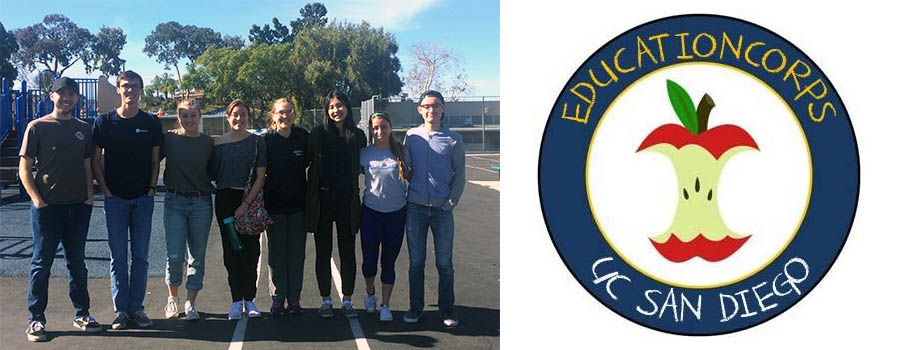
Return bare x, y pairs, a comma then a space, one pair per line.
633, 195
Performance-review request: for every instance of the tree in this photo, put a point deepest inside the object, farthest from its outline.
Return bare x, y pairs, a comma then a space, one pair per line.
276, 34
356, 59
257, 74
311, 15
436, 68
57, 44
104, 53
170, 42
233, 41
8, 46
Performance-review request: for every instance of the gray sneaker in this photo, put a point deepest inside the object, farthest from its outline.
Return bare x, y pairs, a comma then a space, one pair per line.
121, 321
349, 311
386, 315
87, 324
35, 331
141, 319
370, 302
325, 310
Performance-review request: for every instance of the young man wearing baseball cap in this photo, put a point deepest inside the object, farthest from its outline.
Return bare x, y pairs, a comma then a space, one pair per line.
62, 199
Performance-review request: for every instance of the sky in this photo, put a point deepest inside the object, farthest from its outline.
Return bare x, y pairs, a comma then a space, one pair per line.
470, 27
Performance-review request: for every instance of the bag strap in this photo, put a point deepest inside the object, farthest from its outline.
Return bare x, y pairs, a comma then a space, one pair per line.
255, 155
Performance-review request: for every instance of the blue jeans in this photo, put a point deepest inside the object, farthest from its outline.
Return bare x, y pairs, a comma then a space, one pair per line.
128, 224
418, 219
50, 225
187, 221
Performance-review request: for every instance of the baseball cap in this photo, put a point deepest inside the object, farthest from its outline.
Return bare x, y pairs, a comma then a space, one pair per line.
64, 82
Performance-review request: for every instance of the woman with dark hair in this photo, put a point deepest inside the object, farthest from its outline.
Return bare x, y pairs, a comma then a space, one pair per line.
234, 156
333, 196
385, 166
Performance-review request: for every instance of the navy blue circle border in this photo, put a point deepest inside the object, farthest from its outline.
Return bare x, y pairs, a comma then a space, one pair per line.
820, 237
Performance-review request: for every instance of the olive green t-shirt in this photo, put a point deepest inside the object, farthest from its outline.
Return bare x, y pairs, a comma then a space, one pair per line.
59, 148
187, 162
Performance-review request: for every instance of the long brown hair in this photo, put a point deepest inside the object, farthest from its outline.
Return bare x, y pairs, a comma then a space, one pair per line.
397, 149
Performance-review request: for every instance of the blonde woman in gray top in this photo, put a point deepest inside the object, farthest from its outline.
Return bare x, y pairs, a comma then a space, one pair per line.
188, 206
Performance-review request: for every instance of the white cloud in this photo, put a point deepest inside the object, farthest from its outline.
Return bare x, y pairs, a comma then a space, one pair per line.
397, 15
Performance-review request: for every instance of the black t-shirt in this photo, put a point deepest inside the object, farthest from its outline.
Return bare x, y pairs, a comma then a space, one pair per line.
285, 187
337, 169
128, 147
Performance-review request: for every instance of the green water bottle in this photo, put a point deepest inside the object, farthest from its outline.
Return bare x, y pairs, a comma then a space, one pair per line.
232, 233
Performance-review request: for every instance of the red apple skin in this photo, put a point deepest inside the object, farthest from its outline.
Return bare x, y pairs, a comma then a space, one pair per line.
676, 250
716, 141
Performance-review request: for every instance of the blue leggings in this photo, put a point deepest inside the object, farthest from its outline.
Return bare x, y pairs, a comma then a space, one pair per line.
385, 231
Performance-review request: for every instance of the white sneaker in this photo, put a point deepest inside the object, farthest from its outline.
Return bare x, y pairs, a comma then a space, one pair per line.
252, 311
172, 307
35, 331
237, 309
386, 314
190, 312
370, 302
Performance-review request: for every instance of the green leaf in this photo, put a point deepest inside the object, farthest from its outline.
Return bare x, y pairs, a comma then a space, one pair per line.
683, 106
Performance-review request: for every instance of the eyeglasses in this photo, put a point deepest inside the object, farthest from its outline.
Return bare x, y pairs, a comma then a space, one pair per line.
432, 106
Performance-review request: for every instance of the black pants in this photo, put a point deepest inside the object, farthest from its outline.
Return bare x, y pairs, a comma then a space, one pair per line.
335, 208
241, 264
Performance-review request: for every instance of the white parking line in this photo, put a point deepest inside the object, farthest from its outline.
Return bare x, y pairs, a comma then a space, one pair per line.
358, 334
487, 159
237, 340
485, 169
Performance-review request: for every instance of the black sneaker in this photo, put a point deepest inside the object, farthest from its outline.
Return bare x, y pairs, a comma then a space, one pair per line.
277, 309
294, 308
87, 324
141, 319
35, 331
120, 322
412, 316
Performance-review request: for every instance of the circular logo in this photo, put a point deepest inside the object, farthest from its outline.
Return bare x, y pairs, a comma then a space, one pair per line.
699, 174
79, 135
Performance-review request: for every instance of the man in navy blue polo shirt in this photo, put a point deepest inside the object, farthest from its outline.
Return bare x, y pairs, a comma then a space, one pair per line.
128, 139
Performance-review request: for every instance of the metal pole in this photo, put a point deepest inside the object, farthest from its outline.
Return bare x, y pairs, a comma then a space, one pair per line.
483, 140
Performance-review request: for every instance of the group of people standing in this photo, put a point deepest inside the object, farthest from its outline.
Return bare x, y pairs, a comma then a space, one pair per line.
310, 182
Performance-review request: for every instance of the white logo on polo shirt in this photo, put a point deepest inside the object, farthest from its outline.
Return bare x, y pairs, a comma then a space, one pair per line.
79, 136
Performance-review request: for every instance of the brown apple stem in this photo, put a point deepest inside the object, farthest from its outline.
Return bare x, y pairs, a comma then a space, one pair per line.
703, 109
